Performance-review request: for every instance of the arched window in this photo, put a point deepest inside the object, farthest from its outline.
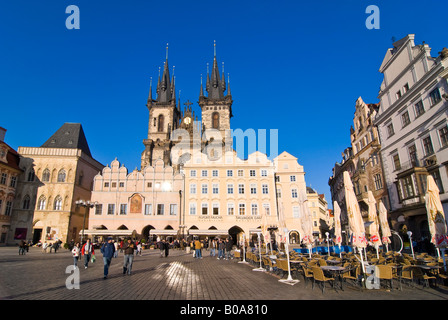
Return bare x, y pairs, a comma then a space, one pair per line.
31, 175
46, 175
42, 203
57, 203
61, 175
26, 202
160, 123
215, 120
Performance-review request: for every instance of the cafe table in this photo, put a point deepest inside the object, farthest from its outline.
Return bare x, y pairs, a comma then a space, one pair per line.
335, 271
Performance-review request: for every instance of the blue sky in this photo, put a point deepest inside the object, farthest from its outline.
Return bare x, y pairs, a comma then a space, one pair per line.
295, 66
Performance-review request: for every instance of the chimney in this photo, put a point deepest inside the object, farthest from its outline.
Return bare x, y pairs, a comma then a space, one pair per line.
2, 134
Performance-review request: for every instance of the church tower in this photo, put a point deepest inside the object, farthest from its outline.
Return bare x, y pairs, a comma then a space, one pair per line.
164, 117
216, 107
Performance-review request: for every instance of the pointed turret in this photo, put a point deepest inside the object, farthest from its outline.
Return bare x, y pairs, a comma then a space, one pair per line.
164, 92
215, 87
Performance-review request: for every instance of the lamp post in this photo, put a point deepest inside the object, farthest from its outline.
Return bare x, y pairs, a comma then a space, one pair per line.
328, 242
410, 242
86, 204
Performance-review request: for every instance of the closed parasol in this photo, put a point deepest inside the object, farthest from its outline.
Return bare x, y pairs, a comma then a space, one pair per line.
385, 229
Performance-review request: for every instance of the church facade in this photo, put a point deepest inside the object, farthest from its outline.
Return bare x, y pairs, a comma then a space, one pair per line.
191, 181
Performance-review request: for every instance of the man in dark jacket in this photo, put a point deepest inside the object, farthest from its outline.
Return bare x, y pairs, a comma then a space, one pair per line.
107, 250
228, 248
128, 248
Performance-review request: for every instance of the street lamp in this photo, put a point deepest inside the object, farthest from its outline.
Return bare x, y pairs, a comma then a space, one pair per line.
86, 204
410, 241
328, 242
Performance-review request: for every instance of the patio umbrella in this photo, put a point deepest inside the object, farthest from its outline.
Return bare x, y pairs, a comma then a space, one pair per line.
385, 230
265, 231
373, 227
436, 217
284, 232
355, 221
337, 225
306, 222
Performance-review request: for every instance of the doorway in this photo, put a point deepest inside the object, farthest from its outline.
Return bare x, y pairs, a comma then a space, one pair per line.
37, 235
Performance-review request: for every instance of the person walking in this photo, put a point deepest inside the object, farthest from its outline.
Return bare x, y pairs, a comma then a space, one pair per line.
44, 247
228, 248
76, 252
213, 248
116, 249
87, 251
107, 250
197, 249
221, 249
128, 256
22, 247
167, 249
161, 245
139, 248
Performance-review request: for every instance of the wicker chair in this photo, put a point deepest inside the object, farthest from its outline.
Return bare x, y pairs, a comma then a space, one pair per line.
319, 276
420, 275
385, 272
307, 273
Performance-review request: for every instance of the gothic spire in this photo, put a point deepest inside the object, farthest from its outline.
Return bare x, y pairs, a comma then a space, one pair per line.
165, 93
215, 87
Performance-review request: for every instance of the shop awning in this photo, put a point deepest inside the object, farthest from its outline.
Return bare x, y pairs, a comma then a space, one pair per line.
102, 232
163, 232
213, 232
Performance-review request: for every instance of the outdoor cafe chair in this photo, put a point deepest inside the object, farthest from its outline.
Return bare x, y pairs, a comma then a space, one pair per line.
319, 276
421, 276
322, 262
282, 266
352, 273
385, 272
307, 273
407, 274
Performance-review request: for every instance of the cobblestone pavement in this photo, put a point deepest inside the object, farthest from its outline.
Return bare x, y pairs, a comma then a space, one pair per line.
38, 276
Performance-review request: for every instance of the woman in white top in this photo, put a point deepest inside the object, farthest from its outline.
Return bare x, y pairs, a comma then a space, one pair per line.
75, 252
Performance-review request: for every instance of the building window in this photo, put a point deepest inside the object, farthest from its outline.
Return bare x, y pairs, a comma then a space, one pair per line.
193, 188
230, 173
412, 151
406, 88
98, 209
148, 209
254, 209
443, 134
267, 209
240, 173
121, 185
106, 184
123, 208
242, 209
46, 175
408, 189
241, 188
253, 189
26, 202
160, 123
8, 208
437, 180
230, 189
13, 181
427, 146
204, 173
61, 175
57, 203
265, 189
419, 109
31, 175
42, 203
252, 173
434, 96
264, 172
405, 120
111, 209
160, 209
204, 189
192, 209
204, 209
294, 193
279, 193
215, 120
378, 182
215, 189
230, 209
215, 173
192, 173
3, 178
396, 161
215, 209
295, 212
292, 178
173, 209
390, 130
398, 94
